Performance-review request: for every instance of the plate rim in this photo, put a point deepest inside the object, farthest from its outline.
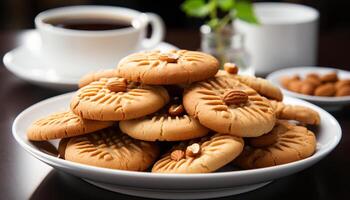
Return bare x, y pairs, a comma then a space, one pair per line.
37, 153
277, 74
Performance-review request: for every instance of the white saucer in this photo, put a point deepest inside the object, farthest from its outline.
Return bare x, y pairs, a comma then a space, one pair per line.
25, 62
228, 181
328, 103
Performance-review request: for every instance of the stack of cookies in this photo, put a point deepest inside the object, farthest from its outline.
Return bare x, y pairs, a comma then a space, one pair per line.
176, 112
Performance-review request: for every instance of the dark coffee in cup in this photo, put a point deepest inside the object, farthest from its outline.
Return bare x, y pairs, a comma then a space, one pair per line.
89, 23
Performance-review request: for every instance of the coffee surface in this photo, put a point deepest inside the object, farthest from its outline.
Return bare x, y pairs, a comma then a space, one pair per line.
89, 24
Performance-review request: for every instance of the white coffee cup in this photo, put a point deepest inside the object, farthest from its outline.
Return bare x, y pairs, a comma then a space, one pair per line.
74, 53
286, 37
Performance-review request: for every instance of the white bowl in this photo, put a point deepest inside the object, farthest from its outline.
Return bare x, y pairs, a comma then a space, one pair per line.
328, 103
173, 186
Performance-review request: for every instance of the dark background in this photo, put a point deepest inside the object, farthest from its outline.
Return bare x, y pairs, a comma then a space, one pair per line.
334, 37
19, 14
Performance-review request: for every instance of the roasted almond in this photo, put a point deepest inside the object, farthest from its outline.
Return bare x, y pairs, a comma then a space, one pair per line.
235, 97
176, 110
117, 84
339, 84
169, 57
177, 155
312, 75
295, 85
327, 89
193, 150
285, 80
343, 91
314, 80
307, 88
231, 68
330, 77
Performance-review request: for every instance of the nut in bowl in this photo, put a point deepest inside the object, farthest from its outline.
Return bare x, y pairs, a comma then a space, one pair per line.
114, 137
326, 87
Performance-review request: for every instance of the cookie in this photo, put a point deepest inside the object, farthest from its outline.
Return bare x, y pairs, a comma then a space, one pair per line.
164, 68
201, 155
225, 105
172, 124
117, 99
95, 76
62, 125
292, 143
109, 148
294, 112
262, 86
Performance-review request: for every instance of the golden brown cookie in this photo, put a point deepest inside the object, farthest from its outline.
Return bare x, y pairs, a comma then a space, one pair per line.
225, 105
110, 148
62, 125
201, 155
117, 99
293, 143
294, 112
262, 86
172, 124
95, 76
164, 68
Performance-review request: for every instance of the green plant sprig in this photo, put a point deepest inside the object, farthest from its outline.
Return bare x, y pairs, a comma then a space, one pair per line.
231, 9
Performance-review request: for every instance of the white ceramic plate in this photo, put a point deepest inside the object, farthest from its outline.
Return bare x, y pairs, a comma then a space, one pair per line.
328, 103
173, 186
26, 62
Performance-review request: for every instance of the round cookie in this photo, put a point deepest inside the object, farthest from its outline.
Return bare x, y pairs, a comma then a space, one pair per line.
95, 76
62, 125
227, 106
262, 86
201, 155
173, 124
294, 112
164, 68
117, 99
109, 148
292, 143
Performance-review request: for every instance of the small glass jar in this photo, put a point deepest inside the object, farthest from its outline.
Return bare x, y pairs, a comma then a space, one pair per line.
226, 46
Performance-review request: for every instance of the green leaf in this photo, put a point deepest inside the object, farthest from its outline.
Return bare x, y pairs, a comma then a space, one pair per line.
245, 12
213, 23
226, 5
195, 8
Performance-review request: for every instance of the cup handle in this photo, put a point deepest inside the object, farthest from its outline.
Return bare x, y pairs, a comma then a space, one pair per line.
158, 31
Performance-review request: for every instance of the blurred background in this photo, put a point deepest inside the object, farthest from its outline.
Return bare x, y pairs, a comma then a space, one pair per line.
334, 19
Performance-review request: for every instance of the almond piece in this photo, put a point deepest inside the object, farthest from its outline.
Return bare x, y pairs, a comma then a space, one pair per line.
235, 97
176, 110
327, 89
343, 91
169, 57
339, 84
330, 77
177, 155
231, 68
193, 150
307, 88
117, 84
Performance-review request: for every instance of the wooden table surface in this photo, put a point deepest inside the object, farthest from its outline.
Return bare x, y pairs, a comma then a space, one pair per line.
24, 177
